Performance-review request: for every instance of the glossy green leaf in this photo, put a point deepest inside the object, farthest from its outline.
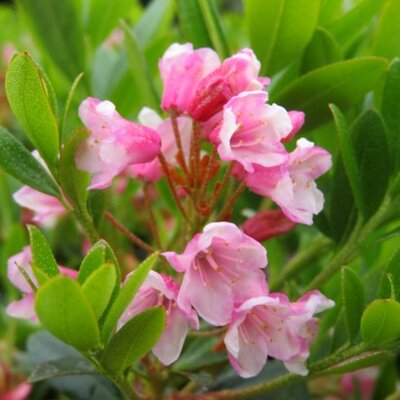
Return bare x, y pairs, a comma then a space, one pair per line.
343, 83
392, 268
18, 162
65, 312
390, 110
127, 293
98, 288
28, 95
386, 42
104, 15
351, 24
321, 50
278, 34
94, 259
134, 340
329, 10
43, 259
372, 155
353, 301
380, 323
57, 27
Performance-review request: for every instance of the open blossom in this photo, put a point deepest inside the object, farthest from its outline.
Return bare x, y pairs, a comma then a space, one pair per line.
152, 171
291, 185
162, 290
25, 308
272, 326
222, 268
251, 131
113, 144
46, 209
297, 119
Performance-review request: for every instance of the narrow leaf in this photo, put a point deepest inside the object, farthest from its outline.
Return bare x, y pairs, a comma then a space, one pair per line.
28, 95
135, 339
43, 259
65, 312
126, 295
18, 162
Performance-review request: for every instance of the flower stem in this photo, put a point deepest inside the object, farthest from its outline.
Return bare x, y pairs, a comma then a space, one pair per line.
231, 202
178, 140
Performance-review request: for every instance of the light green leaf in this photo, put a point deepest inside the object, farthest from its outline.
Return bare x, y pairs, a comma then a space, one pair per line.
277, 33
134, 340
95, 258
386, 42
126, 295
28, 95
390, 110
57, 27
392, 268
329, 10
343, 83
65, 312
104, 16
43, 259
18, 162
372, 155
99, 286
380, 323
353, 301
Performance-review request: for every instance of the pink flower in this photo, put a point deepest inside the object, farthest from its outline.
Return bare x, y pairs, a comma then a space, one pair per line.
152, 171
162, 290
297, 118
47, 209
272, 326
114, 142
267, 224
251, 131
222, 268
182, 68
25, 307
291, 185
236, 74
19, 392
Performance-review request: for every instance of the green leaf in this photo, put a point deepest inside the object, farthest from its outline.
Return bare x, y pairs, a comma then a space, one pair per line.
127, 293
97, 206
372, 155
348, 26
392, 268
143, 82
57, 27
380, 323
18, 162
353, 301
390, 110
321, 50
98, 288
65, 312
28, 95
329, 10
43, 259
104, 16
277, 34
343, 83
134, 340
95, 258
386, 42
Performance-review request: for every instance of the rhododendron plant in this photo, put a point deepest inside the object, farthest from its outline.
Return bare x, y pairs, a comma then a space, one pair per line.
224, 207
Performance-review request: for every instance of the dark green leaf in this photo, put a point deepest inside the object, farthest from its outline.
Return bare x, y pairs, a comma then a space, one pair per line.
43, 259
380, 322
277, 34
126, 295
16, 160
390, 109
372, 154
93, 260
343, 83
28, 95
353, 301
386, 42
97, 206
98, 288
134, 340
386, 381
64, 311
392, 268
57, 27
